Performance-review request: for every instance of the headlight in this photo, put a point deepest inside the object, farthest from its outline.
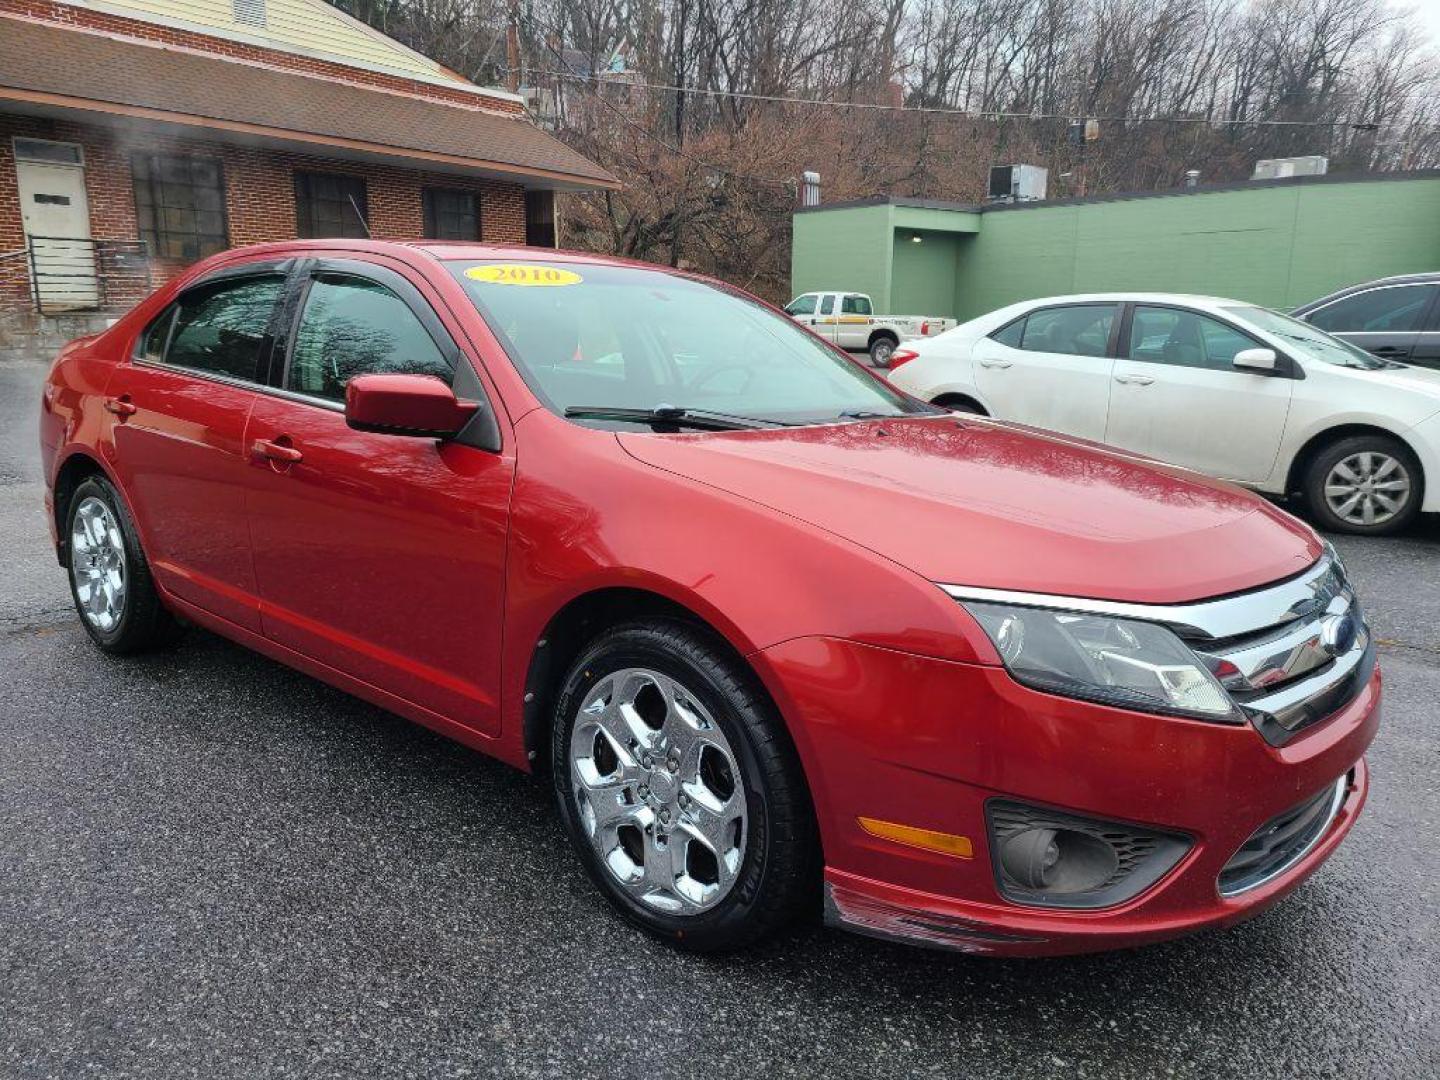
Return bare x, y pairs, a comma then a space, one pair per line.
1121, 662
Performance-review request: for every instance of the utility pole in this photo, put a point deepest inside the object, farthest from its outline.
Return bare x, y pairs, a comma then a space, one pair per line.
512, 49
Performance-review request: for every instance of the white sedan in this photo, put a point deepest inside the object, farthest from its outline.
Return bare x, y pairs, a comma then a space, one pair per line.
1220, 386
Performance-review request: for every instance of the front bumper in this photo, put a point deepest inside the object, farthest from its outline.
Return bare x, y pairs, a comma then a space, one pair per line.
900, 738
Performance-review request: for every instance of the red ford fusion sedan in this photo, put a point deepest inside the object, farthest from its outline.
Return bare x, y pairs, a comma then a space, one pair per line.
782, 639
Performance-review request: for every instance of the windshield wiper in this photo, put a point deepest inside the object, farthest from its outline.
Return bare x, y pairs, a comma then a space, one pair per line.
673, 415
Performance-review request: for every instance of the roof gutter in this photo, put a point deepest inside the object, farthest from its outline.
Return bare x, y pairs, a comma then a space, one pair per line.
450, 162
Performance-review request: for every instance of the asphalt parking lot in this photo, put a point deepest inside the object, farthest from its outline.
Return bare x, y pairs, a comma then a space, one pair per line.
212, 866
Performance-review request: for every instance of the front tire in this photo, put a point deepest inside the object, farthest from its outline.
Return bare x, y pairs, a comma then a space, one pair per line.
1368, 485
680, 789
110, 578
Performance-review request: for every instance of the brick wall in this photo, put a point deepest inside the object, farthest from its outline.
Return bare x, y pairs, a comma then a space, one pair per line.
84, 18
259, 187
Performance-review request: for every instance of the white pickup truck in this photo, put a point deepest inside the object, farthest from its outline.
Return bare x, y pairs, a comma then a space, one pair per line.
848, 320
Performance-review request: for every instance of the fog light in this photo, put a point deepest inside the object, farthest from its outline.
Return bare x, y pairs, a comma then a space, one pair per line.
1048, 858
1058, 860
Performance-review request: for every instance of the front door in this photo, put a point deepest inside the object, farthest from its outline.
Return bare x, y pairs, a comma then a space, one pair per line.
1051, 369
56, 217
1178, 396
380, 556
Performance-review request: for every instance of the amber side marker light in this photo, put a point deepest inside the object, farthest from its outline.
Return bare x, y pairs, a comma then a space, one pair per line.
925, 839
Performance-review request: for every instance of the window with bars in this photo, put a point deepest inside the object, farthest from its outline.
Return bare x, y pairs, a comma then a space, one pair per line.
180, 205
329, 204
451, 214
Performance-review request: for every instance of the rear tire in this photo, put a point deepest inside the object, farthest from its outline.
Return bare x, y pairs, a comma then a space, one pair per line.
1367, 485
958, 405
110, 580
642, 804
882, 349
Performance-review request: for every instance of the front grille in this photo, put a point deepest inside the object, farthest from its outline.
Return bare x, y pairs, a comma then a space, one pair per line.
1303, 653
1282, 841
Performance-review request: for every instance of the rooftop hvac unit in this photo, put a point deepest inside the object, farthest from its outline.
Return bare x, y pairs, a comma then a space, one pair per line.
1279, 168
1017, 183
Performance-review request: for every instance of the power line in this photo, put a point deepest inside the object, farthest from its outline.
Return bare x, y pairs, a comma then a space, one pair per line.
945, 110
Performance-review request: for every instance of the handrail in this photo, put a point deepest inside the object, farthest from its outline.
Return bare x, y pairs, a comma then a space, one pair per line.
78, 273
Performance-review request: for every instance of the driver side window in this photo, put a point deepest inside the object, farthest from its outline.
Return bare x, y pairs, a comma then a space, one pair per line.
1184, 339
802, 305
352, 326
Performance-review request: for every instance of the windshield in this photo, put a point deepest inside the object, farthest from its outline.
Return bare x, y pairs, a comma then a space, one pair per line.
585, 335
1307, 339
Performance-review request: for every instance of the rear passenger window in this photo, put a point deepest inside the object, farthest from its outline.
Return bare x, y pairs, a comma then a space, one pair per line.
855, 305
1010, 335
152, 343
352, 326
1077, 330
219, 329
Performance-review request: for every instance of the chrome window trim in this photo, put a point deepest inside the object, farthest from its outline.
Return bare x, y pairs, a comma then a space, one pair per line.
1199, 621
241, 384
1337, 799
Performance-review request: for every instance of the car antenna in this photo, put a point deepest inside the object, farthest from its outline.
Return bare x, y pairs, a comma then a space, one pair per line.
363, 223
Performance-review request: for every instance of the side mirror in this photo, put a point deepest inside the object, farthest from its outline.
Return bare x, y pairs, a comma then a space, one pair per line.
1255, 360
419, 405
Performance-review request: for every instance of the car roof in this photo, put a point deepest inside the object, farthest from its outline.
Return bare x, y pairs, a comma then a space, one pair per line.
460, 250
1426, 278
1181, 299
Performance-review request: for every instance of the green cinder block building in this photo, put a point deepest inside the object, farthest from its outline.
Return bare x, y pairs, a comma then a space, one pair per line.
1277, 243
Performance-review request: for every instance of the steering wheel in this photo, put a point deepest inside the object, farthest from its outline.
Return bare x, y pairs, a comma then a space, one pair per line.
705, 377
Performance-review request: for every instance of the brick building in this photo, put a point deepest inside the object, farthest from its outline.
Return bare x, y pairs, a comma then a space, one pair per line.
137, 136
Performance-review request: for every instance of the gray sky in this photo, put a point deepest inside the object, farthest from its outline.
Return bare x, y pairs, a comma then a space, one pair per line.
1428, 16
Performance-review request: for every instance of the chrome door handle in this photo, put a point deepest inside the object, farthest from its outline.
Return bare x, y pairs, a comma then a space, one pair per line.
1134, 380
276, 451
992, 362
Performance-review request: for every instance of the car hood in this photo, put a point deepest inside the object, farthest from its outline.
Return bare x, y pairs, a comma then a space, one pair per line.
982, 503
1418, 380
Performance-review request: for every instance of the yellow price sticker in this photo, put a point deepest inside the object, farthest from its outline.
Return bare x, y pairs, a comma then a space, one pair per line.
527, 274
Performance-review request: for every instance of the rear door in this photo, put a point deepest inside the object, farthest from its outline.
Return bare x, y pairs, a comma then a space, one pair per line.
826, 320
380, 556
853, 328
180, 409
1051, 368
1178, 396
1387, 320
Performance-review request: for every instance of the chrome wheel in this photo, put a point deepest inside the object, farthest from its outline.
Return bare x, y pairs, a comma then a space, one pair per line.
1367, 488
97, 564
658, 792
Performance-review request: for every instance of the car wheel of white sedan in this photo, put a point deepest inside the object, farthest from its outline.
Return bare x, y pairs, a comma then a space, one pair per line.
1366, 484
